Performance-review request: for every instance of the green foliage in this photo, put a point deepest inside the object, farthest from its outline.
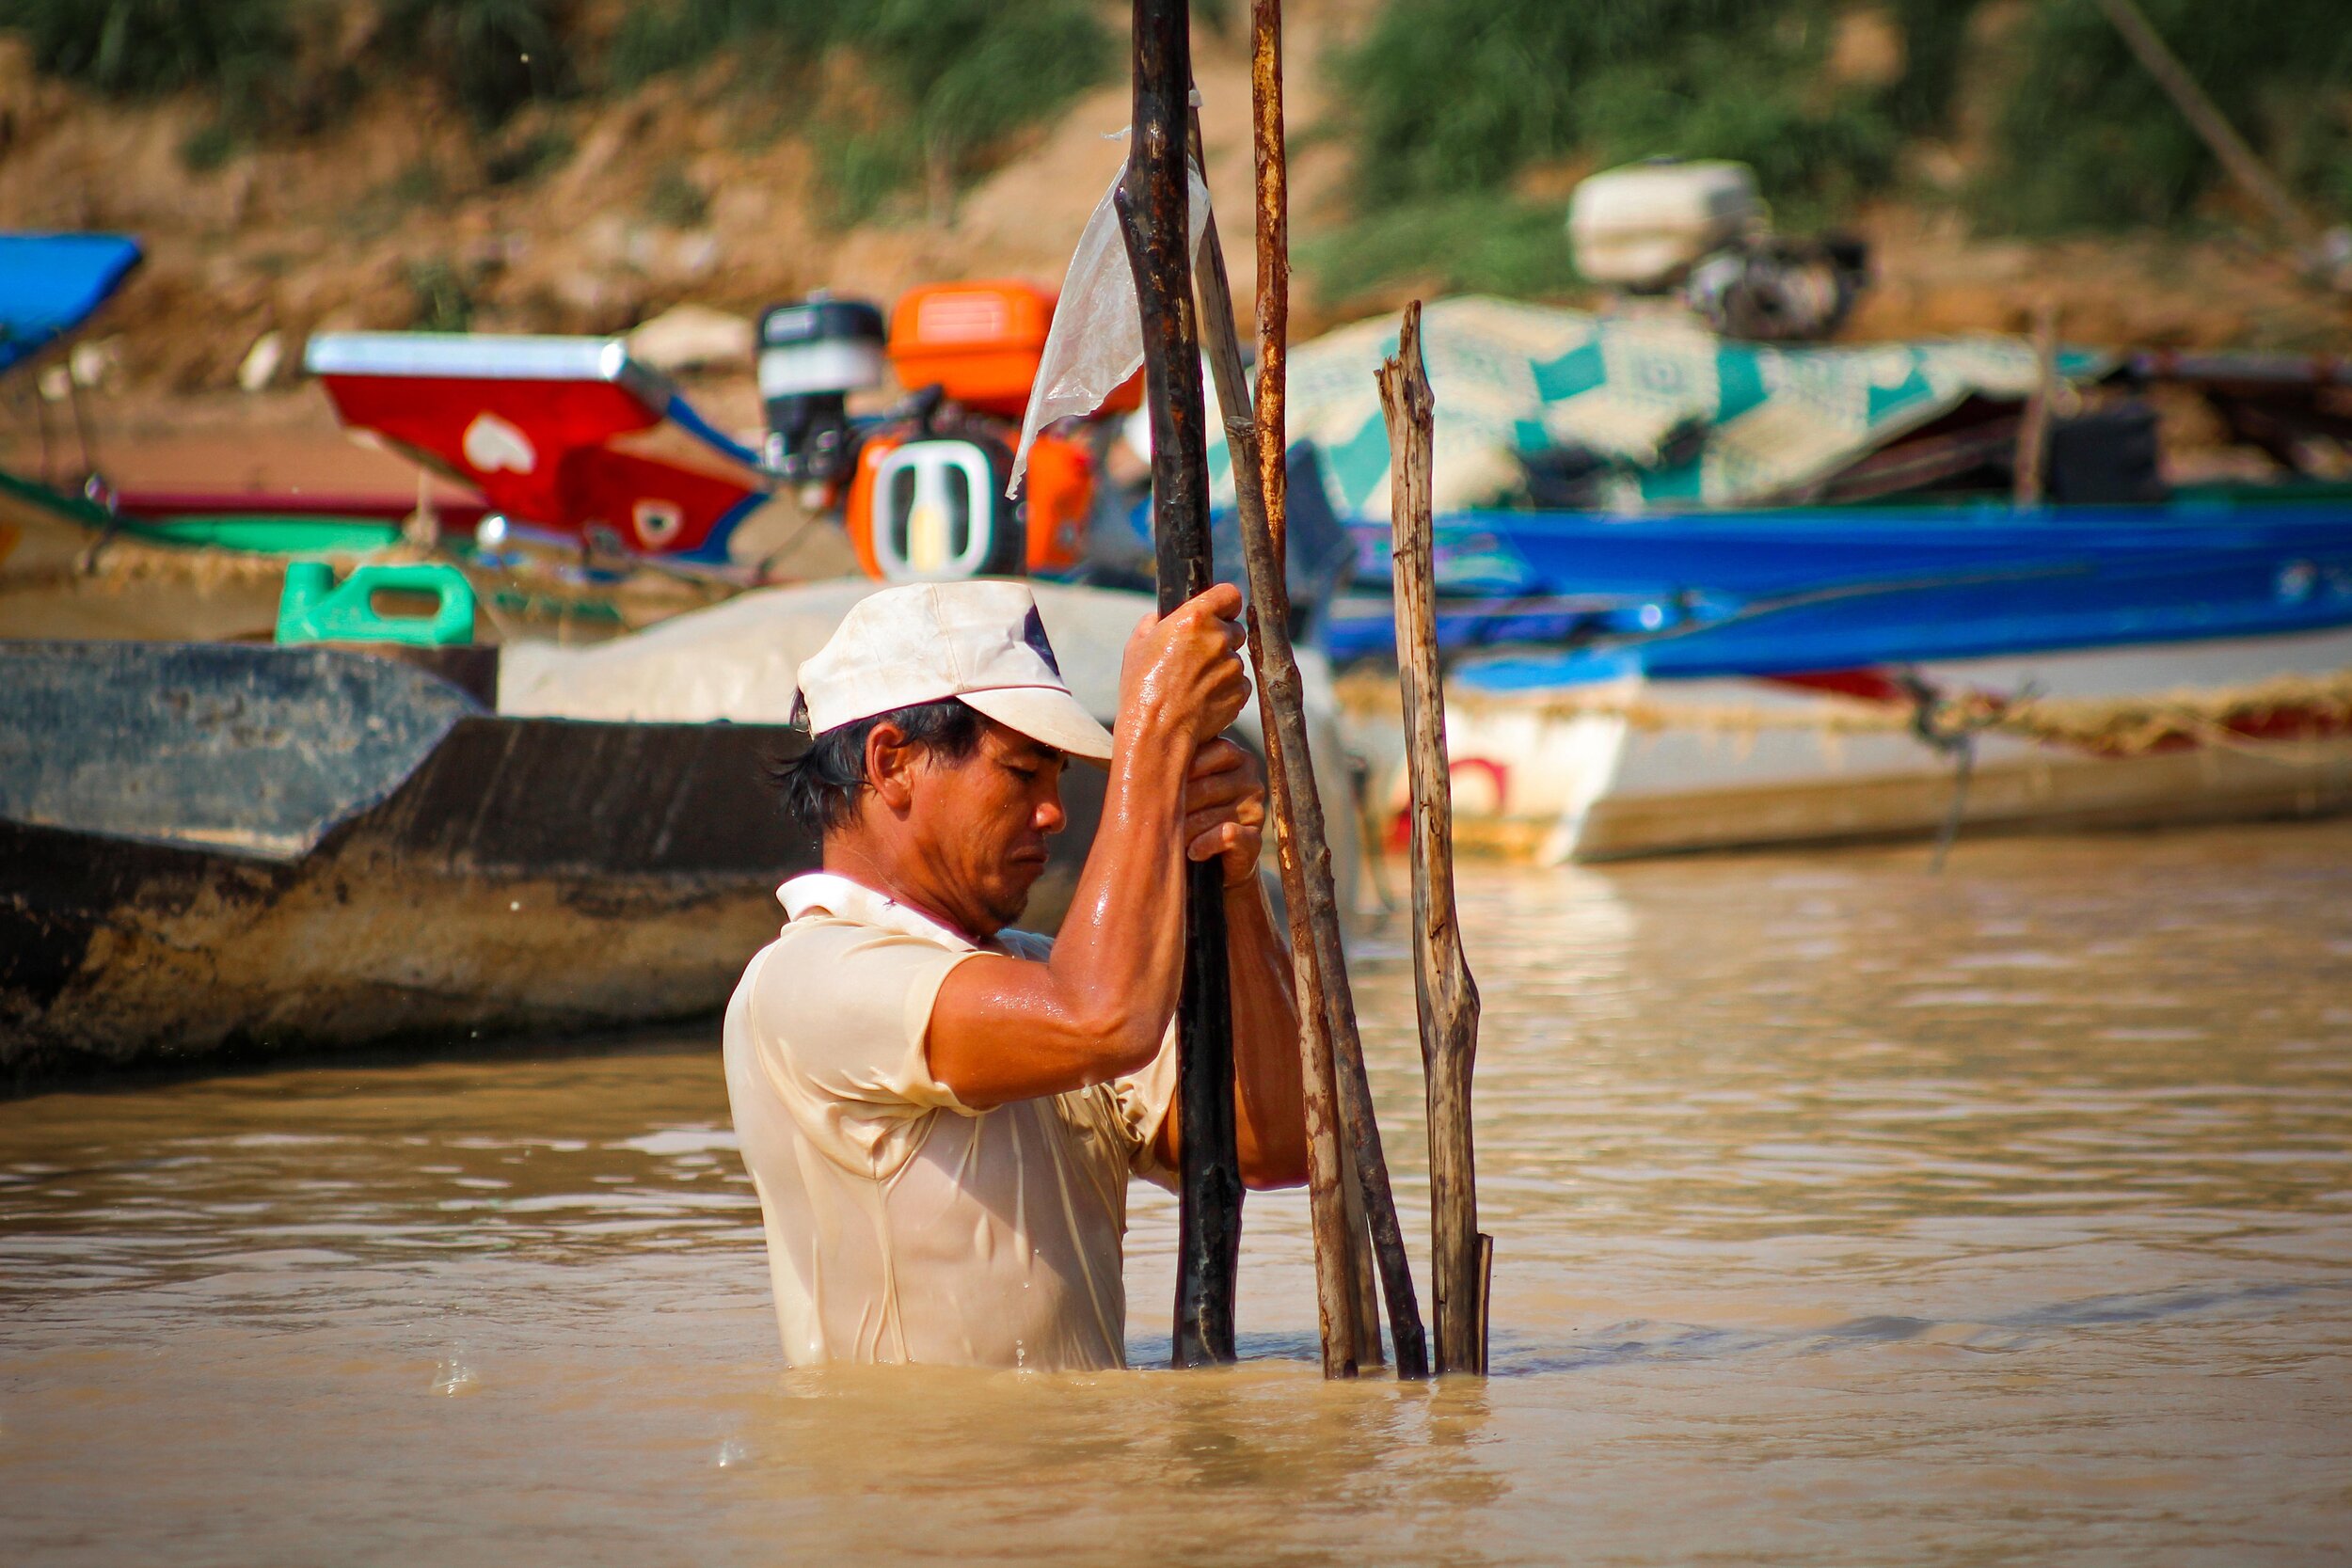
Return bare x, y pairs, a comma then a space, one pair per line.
242, 50
1445, 96
137, 48
1935, 36
2085, 139
495, 55
442, 295
1477, 243
208, 147
862, 170
972, 72
934, 86
675, 199
518, 160
654, 39
260, 55
1455, 95
954, 76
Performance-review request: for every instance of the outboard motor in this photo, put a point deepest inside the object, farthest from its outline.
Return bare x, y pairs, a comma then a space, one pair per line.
1701, 232
1779, 291
812, 356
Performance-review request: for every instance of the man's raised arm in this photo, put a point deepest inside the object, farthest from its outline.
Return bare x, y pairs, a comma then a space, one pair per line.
1005, 1029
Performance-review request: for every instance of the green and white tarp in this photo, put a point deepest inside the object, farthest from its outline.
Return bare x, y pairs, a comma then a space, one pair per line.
1513, 378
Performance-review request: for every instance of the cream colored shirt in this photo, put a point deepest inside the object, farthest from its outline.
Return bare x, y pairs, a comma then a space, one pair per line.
903, 1226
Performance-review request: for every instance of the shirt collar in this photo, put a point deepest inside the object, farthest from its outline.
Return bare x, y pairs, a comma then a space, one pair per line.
824, 892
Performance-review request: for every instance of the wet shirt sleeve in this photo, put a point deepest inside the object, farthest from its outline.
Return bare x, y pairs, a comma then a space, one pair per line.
1140, 1100
1143, 1101
843, 1012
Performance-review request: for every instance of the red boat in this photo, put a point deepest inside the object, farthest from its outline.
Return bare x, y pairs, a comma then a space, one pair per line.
565, 435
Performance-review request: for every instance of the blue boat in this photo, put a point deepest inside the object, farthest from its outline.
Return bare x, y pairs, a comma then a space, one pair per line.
52, 283
1573, 598
1633, 687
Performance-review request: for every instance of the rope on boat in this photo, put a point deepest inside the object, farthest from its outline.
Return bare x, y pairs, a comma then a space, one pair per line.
2299, 708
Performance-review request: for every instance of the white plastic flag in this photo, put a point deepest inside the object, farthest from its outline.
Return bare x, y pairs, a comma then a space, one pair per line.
1097, 338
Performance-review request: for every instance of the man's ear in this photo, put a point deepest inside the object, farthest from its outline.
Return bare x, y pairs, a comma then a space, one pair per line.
890, 763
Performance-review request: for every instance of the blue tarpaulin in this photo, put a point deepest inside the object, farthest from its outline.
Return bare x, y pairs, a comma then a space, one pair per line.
50, 283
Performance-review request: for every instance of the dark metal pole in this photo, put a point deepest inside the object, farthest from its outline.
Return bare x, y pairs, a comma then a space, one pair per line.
1153, 205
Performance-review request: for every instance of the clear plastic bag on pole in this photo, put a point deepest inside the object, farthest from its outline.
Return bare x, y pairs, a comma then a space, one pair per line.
1096, 341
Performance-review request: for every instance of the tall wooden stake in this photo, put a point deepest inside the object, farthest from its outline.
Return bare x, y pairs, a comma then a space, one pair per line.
1369, 1237
2033, 429
1448, 995
1153, 203
1351, 1336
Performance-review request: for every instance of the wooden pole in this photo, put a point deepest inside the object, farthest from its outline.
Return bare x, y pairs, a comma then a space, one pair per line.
1272, 168
1339, 1146
1365, 1280
1268, 142
1281, 716
1153, 204
1448, 995
2033, 430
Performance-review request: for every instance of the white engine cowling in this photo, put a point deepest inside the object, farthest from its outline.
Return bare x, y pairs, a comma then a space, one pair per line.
1642, 227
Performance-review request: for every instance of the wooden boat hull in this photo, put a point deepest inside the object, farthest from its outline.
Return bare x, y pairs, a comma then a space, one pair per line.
218, 850
210, 852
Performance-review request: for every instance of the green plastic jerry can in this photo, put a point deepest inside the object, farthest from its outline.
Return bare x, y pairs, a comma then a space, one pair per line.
315, 608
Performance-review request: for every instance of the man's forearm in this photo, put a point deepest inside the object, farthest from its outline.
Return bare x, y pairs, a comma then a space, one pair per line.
1005, 1029
1119, 954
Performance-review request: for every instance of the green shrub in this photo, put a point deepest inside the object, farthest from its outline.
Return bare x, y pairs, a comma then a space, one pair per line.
1455, 95
656, 38
675, 200
494, 55
143, 48
955, 76
519, 159
208, 147
2085, 139
1478, 243
972, 72
862, 170
263, 56
1444, 97
442, 295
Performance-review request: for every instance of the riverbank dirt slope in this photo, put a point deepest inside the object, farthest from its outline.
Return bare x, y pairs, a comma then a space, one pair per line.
400, 216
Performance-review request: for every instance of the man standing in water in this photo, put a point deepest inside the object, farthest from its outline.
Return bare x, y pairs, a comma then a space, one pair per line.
940, 1115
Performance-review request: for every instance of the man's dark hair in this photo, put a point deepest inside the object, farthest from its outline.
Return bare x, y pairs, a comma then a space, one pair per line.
820, 786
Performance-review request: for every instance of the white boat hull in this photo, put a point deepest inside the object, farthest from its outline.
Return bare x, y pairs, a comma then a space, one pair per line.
1641, 767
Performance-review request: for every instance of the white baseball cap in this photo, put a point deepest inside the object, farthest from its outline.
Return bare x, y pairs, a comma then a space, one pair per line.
981, 642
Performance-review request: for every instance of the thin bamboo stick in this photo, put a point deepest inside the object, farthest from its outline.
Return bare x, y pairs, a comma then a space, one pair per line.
1151, 202
1281, 718
1372, 1231
1446, 995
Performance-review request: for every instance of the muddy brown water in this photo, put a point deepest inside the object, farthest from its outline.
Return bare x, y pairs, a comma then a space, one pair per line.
1845, 1215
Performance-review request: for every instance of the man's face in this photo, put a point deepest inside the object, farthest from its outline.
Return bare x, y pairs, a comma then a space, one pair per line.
984, 821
